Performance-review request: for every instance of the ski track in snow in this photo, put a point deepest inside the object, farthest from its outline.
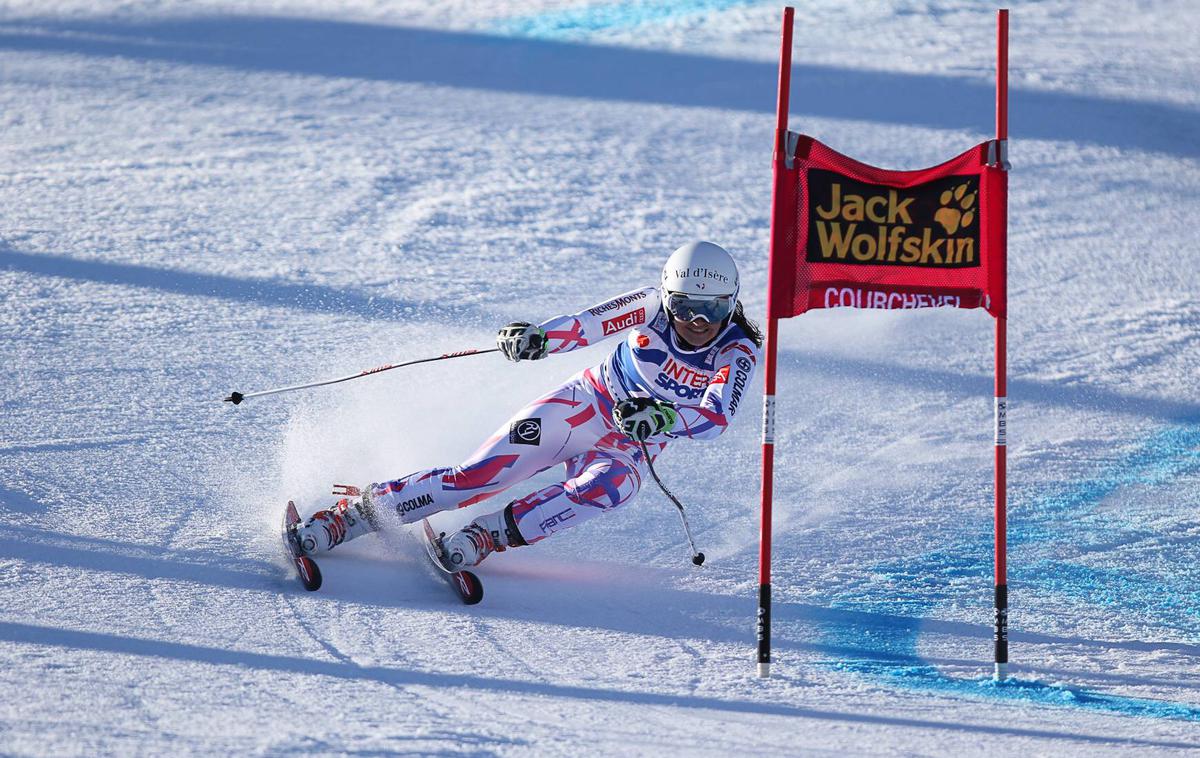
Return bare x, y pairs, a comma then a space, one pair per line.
231, 193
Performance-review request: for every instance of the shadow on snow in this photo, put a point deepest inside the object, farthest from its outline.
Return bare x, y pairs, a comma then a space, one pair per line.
1026, 391
265, 292
540, 67
856, 640
126, 645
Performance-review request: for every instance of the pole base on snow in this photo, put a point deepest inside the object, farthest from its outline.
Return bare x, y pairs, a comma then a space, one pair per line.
764, 630
1000, 633
235, 397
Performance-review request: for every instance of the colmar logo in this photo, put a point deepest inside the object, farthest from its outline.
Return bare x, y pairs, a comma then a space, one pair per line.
624, 321
744, 366
642, 340
414, 504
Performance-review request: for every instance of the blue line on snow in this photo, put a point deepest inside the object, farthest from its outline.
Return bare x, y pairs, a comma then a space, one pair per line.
582, 22
916, 585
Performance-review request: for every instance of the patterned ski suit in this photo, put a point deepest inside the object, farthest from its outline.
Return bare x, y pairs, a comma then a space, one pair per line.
573, 423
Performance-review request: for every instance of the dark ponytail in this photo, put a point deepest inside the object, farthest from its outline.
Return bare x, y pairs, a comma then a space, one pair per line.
749, 327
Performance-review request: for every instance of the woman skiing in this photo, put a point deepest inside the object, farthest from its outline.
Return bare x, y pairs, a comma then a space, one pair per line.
681, 371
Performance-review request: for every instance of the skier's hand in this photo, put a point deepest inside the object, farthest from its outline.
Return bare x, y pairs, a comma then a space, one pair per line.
642, 417
521, 341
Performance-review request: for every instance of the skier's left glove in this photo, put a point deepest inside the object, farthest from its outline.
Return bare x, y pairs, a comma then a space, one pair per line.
522, 341
640, 418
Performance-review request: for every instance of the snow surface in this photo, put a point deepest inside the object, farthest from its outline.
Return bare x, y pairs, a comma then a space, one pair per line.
197, 197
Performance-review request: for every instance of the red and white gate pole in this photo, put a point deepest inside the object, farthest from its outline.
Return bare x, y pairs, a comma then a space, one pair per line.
777, 254
1000, 618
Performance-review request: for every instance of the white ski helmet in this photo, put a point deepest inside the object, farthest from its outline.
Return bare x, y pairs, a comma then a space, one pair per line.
703, 276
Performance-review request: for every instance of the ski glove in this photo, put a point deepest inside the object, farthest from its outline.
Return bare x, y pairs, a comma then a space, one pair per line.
521, 341
642, 417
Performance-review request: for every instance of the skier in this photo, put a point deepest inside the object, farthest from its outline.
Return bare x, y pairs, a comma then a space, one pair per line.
681, 371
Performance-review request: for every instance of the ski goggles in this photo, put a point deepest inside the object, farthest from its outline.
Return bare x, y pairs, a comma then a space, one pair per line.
691, 307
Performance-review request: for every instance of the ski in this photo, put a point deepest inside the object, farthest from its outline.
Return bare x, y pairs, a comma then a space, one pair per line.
464, 583
306, 568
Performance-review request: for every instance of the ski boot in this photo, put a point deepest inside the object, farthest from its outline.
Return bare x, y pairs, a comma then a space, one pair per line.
495, 532
350, 517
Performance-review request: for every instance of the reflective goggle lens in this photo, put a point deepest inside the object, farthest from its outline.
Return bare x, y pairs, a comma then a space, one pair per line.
690, 307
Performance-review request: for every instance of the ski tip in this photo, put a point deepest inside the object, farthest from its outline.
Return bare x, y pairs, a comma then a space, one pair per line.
306, 568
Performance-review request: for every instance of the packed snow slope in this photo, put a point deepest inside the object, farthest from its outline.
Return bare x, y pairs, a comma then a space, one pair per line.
198, 197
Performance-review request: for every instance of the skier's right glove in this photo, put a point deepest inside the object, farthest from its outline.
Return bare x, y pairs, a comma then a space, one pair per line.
521, 341
640, 418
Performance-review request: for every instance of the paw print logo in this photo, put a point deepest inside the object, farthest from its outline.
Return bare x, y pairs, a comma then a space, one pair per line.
958, 209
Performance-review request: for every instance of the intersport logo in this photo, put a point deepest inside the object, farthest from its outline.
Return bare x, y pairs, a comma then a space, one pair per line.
624, 321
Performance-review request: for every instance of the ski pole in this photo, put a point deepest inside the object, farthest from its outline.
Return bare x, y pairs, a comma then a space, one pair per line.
697, 556
237, 397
